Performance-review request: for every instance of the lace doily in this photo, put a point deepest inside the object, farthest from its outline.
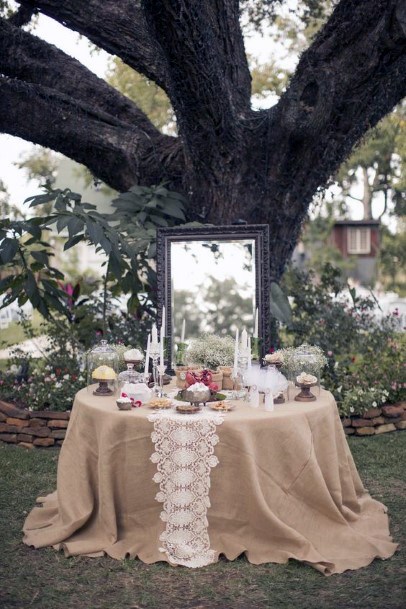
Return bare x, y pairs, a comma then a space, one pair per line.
184, 454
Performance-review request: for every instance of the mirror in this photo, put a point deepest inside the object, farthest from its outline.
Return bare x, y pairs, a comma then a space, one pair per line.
213, 279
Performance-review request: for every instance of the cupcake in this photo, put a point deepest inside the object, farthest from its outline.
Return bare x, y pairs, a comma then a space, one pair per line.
123, 403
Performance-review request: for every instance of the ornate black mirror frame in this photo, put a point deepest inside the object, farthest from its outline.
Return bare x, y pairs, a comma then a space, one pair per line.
258, 232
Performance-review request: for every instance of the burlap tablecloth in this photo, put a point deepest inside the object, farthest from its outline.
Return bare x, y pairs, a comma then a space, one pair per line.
286, 487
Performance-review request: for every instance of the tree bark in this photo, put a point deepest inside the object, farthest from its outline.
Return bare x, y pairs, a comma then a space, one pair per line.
231, 162
120, 155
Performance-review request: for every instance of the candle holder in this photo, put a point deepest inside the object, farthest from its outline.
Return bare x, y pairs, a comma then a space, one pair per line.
243, 357
255, 348
180, 353
154, 353
160, 378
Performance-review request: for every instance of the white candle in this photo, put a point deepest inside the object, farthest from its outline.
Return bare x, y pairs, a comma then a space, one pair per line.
244, 340
161, 350
163, 326
236, 353
256, 324
249, 352
182, 337
154, 337
147, 356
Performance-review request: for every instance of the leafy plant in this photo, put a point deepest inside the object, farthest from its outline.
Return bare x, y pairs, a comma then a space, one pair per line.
127, 237
363, 349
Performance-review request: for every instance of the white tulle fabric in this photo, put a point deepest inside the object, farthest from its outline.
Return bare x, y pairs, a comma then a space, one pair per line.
184, 455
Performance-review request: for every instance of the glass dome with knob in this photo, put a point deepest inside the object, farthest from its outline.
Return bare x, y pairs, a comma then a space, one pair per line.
307, 364
102, 370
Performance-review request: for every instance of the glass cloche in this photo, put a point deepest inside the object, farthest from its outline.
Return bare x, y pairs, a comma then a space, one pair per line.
128, 378
102, 369
306, 371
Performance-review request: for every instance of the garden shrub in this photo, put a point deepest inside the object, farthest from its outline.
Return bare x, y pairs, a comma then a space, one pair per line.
54, 379
365, 353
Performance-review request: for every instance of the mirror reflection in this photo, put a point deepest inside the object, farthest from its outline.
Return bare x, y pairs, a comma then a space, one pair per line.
214, 280
212, 286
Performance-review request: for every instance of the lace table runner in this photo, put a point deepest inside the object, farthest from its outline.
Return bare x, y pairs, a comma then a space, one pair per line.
184, 454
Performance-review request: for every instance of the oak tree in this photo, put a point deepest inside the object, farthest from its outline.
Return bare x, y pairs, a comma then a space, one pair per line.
232, 162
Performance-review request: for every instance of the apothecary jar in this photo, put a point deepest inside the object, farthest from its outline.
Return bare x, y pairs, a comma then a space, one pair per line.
102, 369
307, 361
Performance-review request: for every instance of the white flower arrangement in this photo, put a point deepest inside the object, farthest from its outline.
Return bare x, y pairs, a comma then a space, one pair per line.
211, 351
308, 358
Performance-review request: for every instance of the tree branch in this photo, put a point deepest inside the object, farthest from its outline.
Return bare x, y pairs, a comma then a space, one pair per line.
29, 58
22, 16
113, 151
349, 78
210, 83
117, 26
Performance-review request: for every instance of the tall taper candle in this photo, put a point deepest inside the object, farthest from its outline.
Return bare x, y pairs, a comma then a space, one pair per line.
147, 356
154, 335
256, 324
249, 352
182, 336
161, 347
236, 353
163, 322
244, 340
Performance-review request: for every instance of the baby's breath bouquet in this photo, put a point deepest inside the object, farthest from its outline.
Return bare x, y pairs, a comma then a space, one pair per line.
211, 351
308, 358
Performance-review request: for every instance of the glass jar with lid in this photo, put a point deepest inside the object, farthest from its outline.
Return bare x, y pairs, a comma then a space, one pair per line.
306, 371
102, 369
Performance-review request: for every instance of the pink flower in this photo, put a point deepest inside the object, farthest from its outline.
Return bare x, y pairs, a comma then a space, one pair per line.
330, 353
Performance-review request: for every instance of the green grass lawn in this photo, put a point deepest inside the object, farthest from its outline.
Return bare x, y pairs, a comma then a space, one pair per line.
45, 579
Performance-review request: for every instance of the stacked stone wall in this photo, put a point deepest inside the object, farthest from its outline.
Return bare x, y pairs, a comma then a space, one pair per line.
45, 428
31, 429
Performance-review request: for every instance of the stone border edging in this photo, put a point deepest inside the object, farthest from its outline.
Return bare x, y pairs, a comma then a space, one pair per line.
377, 420
44, 428
27, 428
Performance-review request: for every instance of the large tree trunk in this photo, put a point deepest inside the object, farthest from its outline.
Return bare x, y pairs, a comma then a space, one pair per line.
231, 162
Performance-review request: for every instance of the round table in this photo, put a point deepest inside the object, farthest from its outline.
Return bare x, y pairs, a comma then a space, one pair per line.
285, 486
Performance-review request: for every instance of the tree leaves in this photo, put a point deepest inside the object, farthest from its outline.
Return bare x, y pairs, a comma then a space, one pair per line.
279, 304
127, 237
8, 249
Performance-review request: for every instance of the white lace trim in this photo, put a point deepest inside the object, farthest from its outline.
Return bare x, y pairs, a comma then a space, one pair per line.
184, 454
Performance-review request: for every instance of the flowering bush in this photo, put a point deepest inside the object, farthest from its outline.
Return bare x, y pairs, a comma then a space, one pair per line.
364, 355
211, 351
358, 399
44, 389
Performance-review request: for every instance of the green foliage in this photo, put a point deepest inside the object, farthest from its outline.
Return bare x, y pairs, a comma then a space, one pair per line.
127, 237
150, 98
225, 307
40, 164
46, 388
54, 379
364, 354
381, 157
267, 78
25, 262
280, 306
392, 260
